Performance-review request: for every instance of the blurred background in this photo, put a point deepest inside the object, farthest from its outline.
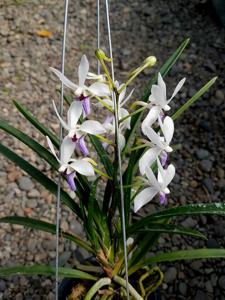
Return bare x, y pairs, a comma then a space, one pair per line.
30, 42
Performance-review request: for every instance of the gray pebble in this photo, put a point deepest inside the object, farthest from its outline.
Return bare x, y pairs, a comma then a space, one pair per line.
25, 183
206, 165
183, 288
189, 223
32, 203
202, 153
34, 193
170, 274
208, 184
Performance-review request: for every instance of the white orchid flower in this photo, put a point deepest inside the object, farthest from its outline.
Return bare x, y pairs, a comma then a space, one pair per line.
70, 166
161, 144
157, 186
158, 101
83, 92
77, 132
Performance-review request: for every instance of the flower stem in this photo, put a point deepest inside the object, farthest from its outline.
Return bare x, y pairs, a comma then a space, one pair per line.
132, 290
99, 284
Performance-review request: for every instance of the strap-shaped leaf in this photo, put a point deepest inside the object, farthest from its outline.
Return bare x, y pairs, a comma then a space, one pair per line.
171, 229
45, 131
44, 270
31, 143
102, 154
186, 210
180, 255
50, 185
45, 226
196, 96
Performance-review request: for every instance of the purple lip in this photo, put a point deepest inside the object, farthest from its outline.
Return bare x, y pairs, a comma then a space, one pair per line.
162, 198
70, 181
82, 145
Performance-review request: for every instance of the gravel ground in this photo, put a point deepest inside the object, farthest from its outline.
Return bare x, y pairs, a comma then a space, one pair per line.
139, 29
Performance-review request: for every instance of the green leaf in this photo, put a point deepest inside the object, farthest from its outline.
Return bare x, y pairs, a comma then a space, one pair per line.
31, 143
171, 229
102, 154
180, 255
135, 120
202, 91
41, 178
45, 226
45, 131
186, 210
44, 270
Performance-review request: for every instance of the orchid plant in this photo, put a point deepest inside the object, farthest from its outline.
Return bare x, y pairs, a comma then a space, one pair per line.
147, 172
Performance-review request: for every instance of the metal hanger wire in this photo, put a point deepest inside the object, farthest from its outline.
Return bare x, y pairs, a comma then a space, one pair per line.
58, 204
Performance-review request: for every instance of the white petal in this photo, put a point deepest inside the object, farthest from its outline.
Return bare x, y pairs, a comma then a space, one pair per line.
152, 179
66, 150
52, 147
92, 127
83, 167
158, 95
151, 117
74, 113
154, 137
99, 89
161, 174
122, 141
59, 117
148, 158
127, 98
169, 174
64, 79
123, 113
83, 70
144, 197
162, 84
178, 87
168, 129
122, 94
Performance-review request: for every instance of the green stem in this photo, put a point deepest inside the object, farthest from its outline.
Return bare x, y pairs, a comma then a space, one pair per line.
99, 284
132, 290
132, 114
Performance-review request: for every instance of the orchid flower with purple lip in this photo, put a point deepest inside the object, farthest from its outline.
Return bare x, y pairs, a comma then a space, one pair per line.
83, 92
158, 101
157, 186
77, 132
69, 166
161, 144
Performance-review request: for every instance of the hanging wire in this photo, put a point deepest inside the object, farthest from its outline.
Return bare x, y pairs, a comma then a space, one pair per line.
98, 34
118, 152
58, 205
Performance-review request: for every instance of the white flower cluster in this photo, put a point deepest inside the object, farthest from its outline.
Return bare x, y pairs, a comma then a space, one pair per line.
159, 145
76, 132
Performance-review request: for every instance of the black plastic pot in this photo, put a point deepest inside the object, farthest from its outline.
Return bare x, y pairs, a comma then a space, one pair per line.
67, 284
